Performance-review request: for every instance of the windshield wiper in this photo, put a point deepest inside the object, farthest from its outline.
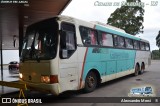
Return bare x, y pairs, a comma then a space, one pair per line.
37, 56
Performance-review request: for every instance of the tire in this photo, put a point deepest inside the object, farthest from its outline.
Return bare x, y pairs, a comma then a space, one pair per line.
90, 82
142, 68
136, 73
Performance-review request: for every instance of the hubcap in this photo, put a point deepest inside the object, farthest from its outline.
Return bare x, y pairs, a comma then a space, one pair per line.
136, 70
91, 81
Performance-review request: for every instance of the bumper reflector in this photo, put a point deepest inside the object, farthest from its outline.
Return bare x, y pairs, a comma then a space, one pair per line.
53, 79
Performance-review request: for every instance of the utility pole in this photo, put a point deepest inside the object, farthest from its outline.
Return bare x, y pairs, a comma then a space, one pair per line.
1, 48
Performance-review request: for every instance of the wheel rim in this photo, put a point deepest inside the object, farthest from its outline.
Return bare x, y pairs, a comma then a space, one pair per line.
136, 70
142, 68
91, 82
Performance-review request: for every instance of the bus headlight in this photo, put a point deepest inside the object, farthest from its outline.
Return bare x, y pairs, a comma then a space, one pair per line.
45, 79
20, 75
49, 79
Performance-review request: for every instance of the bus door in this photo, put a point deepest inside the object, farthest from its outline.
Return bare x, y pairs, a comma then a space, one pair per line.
68, 58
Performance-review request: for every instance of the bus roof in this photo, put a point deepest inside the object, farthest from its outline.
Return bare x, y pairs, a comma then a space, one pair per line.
101, 26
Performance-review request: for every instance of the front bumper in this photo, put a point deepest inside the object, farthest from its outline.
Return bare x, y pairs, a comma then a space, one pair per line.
42, 87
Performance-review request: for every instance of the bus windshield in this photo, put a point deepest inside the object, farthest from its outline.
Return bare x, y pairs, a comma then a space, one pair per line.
41, 41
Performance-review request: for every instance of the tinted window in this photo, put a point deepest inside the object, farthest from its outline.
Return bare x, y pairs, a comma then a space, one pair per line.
68, 40
105, 39
129, 43
136, 44
68, 27
147, 46
89, 36
119, 41
142, 45
41, 41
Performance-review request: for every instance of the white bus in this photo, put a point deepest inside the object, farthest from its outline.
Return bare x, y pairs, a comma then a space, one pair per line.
63, 53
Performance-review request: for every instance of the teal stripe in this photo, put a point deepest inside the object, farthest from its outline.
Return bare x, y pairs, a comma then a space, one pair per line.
108, 60
116, 32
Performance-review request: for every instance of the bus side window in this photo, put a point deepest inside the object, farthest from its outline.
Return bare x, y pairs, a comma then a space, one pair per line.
129, 43
136, 44
93, 36
70, 41
115, 40
147, 46
119, 41
89, 36
67, 40
105, 39
142, 45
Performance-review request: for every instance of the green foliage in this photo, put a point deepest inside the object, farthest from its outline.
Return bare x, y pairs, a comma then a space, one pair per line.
128, 18
158, 40
156, 54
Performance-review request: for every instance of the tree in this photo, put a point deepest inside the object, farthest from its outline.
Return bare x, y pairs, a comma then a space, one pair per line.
158, 40
128, 18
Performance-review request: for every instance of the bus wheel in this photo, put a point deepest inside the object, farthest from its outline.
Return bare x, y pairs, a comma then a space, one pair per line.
136, 70
90, 82
142, 68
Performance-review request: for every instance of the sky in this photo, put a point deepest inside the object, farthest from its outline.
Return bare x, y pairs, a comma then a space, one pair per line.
89, 11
